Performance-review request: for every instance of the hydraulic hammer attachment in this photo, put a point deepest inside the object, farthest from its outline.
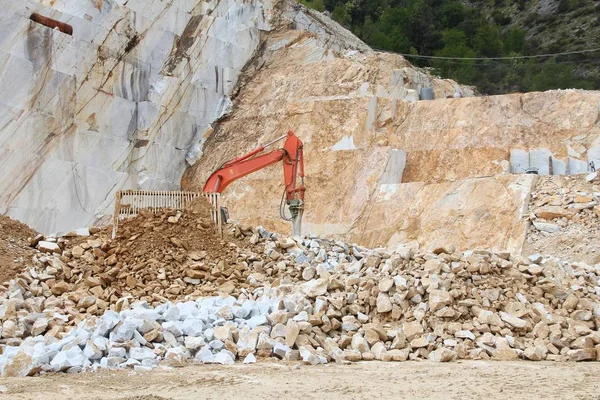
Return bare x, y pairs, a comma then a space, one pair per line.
290, 155
296, 209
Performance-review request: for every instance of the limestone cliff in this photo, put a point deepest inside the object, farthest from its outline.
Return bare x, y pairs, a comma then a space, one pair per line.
136, 91
128, 93
383, 167
117, 104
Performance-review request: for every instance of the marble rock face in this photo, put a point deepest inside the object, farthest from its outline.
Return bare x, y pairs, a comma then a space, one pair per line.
384, 167
117, 104
129, 99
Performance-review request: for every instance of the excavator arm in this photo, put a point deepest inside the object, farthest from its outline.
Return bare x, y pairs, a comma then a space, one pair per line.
293, 169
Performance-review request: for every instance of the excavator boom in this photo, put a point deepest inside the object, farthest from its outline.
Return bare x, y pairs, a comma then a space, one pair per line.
293, 169
231, 172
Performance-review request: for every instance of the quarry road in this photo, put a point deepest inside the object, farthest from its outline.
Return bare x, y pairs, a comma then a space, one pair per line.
423, 380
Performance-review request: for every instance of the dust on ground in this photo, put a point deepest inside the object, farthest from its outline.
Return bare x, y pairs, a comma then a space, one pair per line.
15, 252
424, 380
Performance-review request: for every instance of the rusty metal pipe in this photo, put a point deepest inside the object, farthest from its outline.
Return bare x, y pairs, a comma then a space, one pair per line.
52, 23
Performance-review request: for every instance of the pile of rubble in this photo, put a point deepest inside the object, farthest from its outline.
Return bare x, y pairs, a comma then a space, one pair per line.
140, 336
565, 216
168, 290
154, 258
15, 252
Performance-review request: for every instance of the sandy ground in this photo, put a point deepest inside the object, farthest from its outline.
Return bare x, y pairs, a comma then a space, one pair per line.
422, 380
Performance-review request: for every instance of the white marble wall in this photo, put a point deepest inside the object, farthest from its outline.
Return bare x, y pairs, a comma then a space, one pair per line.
543, 159
394, 168
117, 105
519, 161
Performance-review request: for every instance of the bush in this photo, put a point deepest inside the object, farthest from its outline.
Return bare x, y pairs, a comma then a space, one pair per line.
531, 19
500, 18
553, 48
557, 76
488, 41
314, 4
584, 11
515, 41
341, 15
575, 4
548, 19
453, 14
563, 6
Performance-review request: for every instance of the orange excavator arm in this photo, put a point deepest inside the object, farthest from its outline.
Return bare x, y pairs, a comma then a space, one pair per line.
293, 169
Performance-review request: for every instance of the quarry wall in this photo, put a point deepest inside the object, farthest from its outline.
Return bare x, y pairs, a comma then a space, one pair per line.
384, 168
122, 94
137, 94
119, 103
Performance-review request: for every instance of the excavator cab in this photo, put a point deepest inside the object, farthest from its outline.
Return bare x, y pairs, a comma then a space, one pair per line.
291, 154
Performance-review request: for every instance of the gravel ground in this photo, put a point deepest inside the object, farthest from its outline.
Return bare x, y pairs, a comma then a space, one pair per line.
423, 380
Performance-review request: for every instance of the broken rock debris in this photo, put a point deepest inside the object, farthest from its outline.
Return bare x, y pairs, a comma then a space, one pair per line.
102, 303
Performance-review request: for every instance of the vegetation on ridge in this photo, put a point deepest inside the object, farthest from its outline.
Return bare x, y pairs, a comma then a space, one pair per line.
485, 29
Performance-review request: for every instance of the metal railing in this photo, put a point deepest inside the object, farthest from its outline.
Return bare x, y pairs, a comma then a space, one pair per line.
129, 203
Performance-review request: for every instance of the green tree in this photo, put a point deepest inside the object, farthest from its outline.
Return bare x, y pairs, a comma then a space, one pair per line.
318, 5
554, 75
393, 40
513, 79
453, 14
359, 10
395, 18
515, 41
387, 33
420, 29
332, 4
341, 15
455, 45
488, 41
563, 6
456, 28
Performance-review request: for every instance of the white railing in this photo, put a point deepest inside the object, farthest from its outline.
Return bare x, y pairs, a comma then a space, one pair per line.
128, 203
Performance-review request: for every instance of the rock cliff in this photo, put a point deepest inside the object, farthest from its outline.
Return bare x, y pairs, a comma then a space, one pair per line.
447, 171
118, 103
127, 93
136, 92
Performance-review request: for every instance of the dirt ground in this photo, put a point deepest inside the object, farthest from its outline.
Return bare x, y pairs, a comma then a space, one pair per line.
423, 380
